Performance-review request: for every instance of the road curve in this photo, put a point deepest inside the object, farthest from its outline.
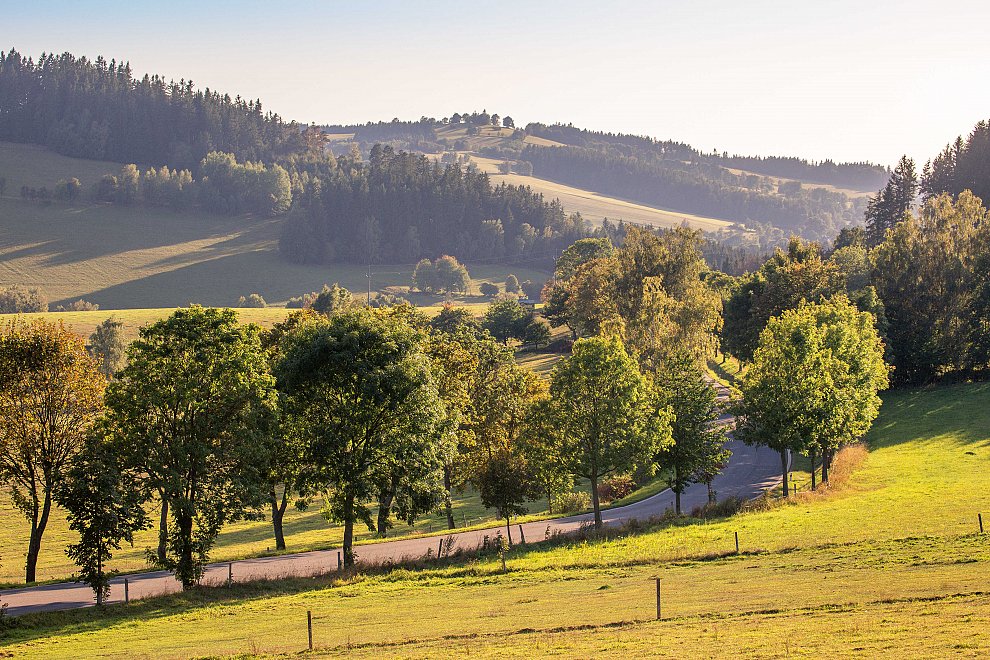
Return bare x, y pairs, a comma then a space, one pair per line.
749, 472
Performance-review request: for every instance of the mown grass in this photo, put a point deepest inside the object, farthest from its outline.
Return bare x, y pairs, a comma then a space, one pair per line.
889, 563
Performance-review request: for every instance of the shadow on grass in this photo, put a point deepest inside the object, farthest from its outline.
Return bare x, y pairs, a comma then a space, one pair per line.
960, 411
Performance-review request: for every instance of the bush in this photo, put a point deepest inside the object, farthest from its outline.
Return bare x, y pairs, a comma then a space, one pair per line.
489, 290
16, 299
253, 300
78, 306
562, 345
720, 509
574, 502
512, 284
615, 488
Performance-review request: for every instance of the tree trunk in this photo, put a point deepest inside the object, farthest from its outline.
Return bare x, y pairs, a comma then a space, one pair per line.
278, 512
677, 490
594, 501
163, 530
549, 499
385, 499
783, 470
186, 570
348, 531
826, 463
38, 525
812, 454
508, 531
711, 492
448, 504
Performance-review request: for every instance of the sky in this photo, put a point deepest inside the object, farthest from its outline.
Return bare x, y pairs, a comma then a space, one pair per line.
867, 80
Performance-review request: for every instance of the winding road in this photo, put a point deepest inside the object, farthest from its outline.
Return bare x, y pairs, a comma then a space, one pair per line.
749, 472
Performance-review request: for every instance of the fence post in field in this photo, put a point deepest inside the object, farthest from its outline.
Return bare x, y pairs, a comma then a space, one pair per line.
230, 574
340, 562
522, 536
658, 599
737, 542
127, 591
309, 627
440, 549
979, 517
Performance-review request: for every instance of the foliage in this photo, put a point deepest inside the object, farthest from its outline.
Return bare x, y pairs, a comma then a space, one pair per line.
50, 395
192, 410
616, 488
814, 381
962, 165
505, 483
782, 283
107, 346
78, 306
931, 275
596, 419
18, 300
488, 289
253, 300
103, 507
332, 299
512, 284
362, 400
444, 275
99, 109
507, 319
697, 453
892, 202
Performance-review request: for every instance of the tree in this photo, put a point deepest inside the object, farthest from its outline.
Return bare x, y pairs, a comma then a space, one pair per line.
592, 298
930, 269
425, 276
581, 252
107, 346
193, 409
511, 284
332, 299
456, 320
508, 122
18, 300
506, 319
360, 396
103, 507
889, 206
254, 300
536, 331
598, 414
814, 381
782, 283
451, 275
505, 483
698, 447
51, 393
489, 290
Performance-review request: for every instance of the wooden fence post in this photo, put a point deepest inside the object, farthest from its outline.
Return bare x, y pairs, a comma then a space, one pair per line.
340, 562
230, 574
440, 549
127, 591
522, 536
737, 542
658, 599
979, 517
309, 627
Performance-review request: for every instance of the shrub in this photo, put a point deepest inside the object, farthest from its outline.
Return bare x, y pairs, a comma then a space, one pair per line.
574, 502
253, 300
489, 290
512, 284
16, 299
720, 509
615, 488
78, 306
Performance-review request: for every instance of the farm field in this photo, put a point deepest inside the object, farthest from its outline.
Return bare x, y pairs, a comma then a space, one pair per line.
596, 207
888, 563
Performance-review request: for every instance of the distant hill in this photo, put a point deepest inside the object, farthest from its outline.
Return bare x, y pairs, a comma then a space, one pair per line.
664, 179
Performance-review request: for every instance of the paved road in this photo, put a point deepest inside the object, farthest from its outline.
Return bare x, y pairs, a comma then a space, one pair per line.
749, 472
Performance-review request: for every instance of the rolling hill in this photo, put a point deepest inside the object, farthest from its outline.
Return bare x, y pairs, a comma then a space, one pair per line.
123, 257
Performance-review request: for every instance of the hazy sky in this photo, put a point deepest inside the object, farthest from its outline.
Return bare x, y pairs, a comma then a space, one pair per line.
848, 80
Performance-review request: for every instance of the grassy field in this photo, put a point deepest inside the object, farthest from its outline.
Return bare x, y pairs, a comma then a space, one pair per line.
887, 564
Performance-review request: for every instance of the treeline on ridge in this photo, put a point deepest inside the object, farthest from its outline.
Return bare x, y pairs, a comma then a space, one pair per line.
100, 110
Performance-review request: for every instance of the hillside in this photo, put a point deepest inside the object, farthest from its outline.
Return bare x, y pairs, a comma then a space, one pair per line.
138, 257
888, 563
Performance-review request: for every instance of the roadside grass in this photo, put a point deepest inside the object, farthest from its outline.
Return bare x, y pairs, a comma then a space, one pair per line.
888, 562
